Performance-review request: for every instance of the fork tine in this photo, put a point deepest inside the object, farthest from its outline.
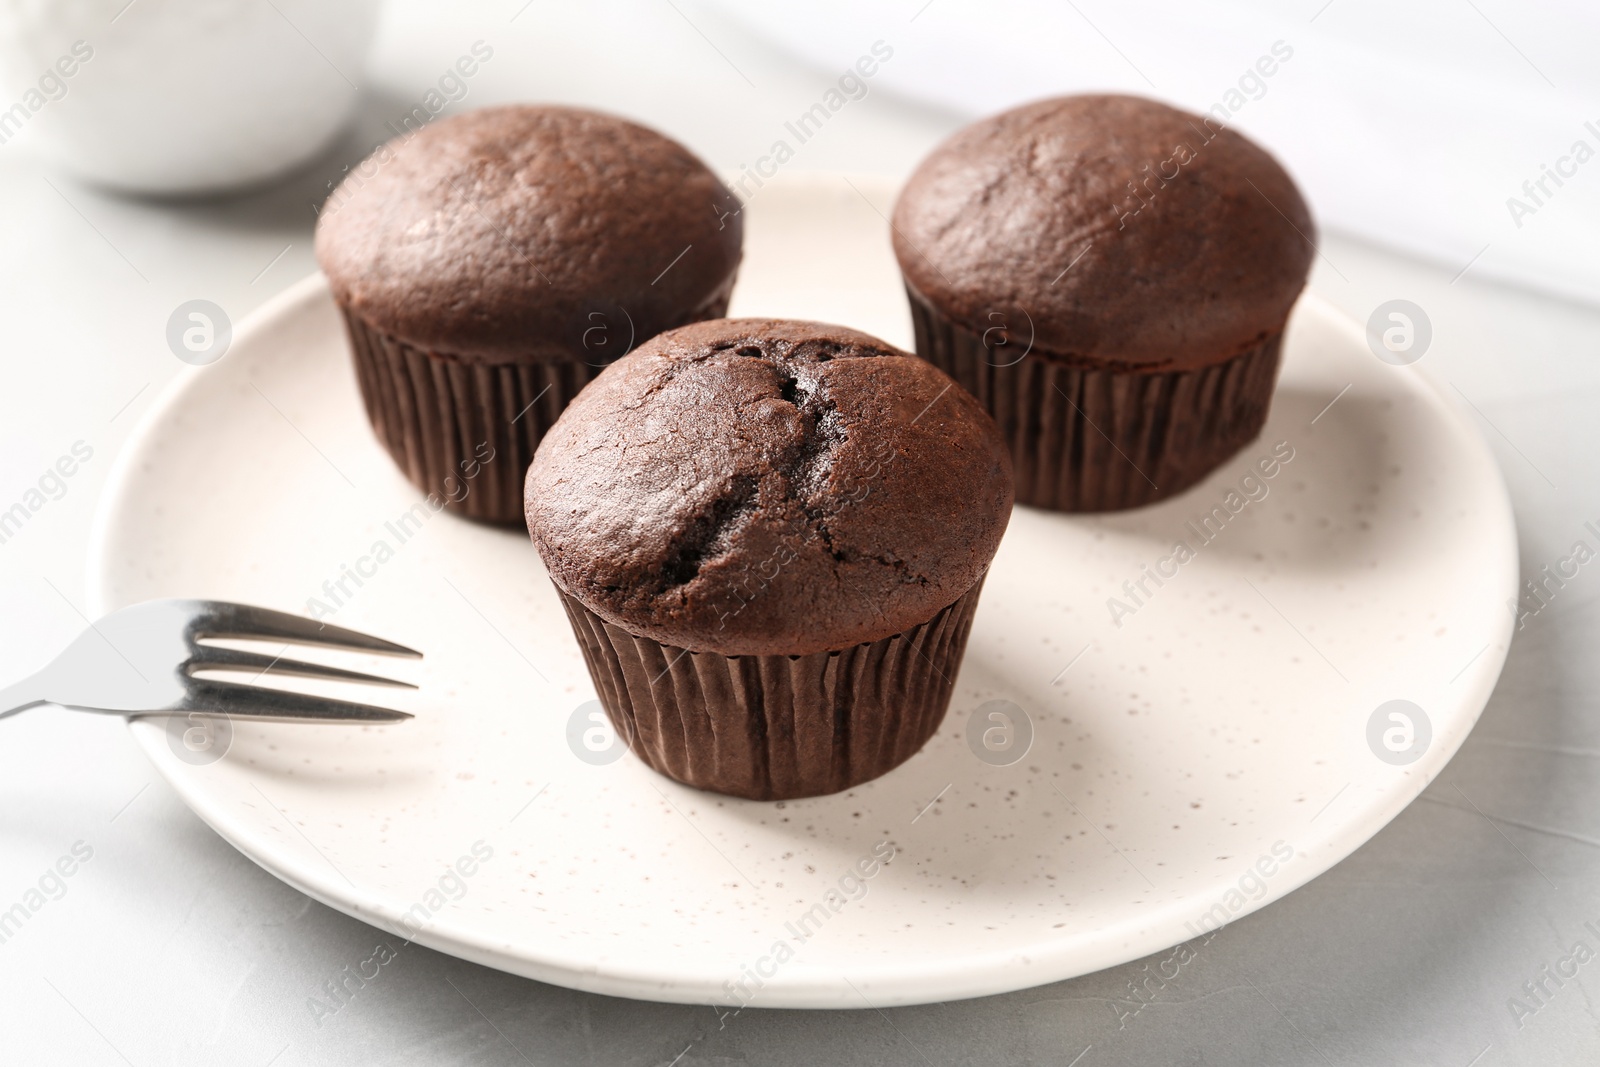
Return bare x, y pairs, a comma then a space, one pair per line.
256, 702
211, 658
247, 622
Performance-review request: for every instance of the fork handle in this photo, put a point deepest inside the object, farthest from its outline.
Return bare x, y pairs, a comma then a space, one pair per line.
21, 696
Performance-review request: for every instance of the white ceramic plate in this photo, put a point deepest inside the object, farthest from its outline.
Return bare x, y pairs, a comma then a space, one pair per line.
1197, 761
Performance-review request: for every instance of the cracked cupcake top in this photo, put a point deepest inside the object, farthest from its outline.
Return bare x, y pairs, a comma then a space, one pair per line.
765, 487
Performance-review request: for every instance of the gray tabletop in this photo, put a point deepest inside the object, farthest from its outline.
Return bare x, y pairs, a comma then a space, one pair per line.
1465, 933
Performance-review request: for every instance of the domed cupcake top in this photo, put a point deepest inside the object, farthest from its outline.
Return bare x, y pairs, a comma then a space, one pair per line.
513, 233
761, 487
1107, 231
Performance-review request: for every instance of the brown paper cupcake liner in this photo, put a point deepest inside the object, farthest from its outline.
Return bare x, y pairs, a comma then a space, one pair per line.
439, 417
1084, 439
776, 727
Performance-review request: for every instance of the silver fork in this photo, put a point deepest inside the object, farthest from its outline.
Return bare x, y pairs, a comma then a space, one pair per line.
142, 661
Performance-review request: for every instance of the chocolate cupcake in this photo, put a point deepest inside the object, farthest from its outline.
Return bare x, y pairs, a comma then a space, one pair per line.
770, 538
491, 264
1110, 277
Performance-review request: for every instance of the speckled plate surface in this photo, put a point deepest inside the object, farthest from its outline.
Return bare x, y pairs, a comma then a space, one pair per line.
1196, 752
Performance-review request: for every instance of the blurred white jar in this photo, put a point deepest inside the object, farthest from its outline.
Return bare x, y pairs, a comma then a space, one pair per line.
180, 96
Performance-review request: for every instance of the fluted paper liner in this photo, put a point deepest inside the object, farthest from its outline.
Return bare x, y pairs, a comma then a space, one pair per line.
1085, 439
776, 727
438, 416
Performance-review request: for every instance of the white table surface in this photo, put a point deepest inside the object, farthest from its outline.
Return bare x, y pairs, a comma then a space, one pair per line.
168, 947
